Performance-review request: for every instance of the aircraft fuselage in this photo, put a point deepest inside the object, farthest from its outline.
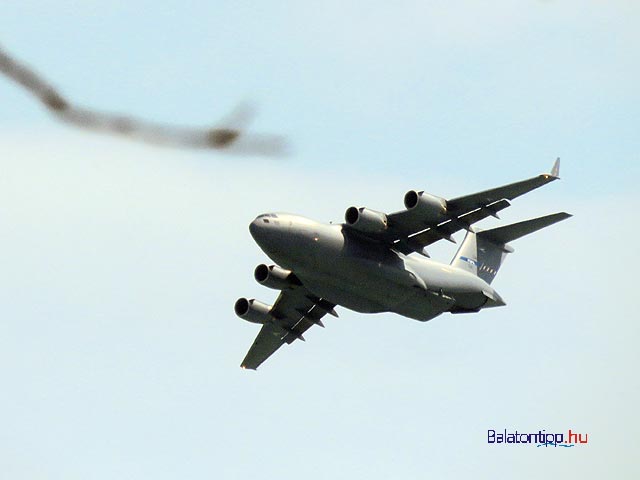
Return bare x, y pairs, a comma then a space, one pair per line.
347, 269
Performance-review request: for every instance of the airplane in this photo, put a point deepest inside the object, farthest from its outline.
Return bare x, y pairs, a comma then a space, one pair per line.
367, 264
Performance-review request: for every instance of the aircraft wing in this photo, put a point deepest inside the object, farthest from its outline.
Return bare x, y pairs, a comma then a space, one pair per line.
508, 192
295, 311
408, 232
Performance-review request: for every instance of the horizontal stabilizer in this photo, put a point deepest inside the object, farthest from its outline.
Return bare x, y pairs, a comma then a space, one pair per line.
508, 233
482, 253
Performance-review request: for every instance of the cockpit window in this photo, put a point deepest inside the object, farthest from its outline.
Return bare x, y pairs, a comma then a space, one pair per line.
268, 215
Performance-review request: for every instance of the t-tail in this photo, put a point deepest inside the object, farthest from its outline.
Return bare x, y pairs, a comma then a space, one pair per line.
482, 252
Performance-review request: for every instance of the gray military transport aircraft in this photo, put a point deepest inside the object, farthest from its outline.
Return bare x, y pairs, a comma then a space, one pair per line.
366, 263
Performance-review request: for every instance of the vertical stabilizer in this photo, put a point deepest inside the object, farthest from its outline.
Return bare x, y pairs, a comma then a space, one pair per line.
466, 258
480, 256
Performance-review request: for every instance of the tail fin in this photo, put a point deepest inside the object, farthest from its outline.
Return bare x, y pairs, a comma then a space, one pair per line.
482, 253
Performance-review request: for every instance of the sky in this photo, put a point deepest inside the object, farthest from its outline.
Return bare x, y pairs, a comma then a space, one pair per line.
119, 348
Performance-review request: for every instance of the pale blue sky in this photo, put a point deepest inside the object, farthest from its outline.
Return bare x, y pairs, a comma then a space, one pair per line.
119, 350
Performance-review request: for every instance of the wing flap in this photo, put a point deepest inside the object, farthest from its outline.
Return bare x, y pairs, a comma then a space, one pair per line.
449, 227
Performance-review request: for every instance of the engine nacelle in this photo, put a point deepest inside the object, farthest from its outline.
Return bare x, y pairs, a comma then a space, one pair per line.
275, 277
252, 310
430, 208
365, 219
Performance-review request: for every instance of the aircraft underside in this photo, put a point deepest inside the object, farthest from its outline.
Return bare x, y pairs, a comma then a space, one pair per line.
369, 287
376, 262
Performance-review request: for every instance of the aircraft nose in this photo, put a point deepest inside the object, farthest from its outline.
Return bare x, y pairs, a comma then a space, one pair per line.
254, 228
262, 228
267, 232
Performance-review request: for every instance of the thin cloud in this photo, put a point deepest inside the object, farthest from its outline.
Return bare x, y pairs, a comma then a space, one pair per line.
229, 135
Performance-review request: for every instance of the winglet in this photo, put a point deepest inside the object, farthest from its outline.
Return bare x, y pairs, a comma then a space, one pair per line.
555, 170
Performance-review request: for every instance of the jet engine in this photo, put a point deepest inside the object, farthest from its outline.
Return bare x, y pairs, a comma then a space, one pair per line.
275, 277
252, 310
430, 208
365, 219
